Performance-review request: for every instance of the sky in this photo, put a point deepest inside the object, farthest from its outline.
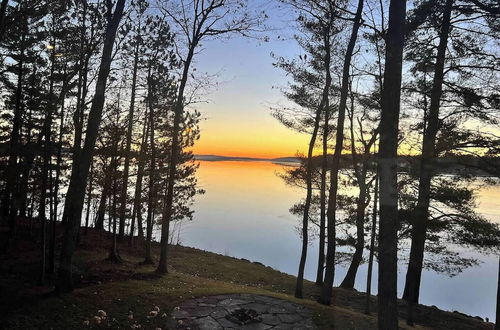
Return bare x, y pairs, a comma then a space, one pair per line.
237, 119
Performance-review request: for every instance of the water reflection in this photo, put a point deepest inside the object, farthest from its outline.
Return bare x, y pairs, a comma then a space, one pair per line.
244, 214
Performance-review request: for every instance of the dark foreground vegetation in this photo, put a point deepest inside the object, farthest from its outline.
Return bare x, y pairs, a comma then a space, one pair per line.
132, 288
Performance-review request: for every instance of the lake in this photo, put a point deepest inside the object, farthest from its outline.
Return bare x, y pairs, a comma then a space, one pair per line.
244, 214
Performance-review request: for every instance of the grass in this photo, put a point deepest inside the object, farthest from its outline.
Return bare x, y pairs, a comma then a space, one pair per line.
121, 289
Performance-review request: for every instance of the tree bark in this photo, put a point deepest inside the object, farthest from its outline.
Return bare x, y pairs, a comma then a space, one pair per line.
389, 129
421, 213
81, 161
326, 291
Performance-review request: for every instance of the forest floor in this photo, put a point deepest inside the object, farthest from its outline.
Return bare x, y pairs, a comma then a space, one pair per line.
129, 292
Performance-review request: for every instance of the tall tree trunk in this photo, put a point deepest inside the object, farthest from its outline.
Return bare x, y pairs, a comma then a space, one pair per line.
326, 291
136, 210
324, 104
421, 213
152, 176
81, 162
307, 204
372, 247
3, 18
9, 203
174, 155
389, 129
322, 198
45, 168
123, 195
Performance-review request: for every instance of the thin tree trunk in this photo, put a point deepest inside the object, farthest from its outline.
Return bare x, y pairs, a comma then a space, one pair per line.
3, 18
123, 195
497, 322
81, 162
372, 247
152, 176
350, 277
419, 230
8, 203
322, 217
45, 168
326, 291
136, 211
307, 204
389, 129
89, 197
360, 174
55, 193
324, 104
167, 212
114, 256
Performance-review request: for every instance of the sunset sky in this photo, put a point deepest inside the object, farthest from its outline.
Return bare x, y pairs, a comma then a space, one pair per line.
237, 119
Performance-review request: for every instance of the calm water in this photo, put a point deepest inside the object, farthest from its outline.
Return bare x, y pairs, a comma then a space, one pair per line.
244, 214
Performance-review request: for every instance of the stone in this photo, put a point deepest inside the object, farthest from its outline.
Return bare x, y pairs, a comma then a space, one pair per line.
212, 312
207, 323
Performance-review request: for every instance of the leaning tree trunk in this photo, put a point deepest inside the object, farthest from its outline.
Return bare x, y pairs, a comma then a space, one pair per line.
81, 161
389, 129
326, 291
350, 277
360, 174
419, 230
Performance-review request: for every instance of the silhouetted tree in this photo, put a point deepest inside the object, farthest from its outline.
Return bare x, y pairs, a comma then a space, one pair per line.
387, 167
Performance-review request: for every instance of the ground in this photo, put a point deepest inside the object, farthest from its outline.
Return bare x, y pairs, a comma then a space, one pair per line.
127, 295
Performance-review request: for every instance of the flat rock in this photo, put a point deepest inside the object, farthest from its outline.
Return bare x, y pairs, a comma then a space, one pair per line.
209, 313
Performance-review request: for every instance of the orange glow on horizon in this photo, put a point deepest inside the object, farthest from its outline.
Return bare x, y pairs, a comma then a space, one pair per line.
251, 138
